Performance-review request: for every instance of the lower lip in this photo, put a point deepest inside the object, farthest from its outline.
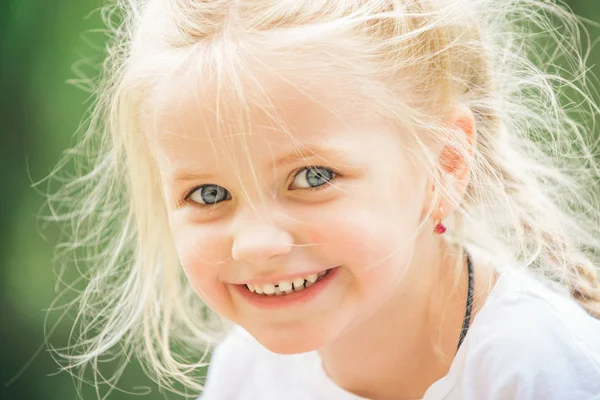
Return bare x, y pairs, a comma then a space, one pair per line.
303, 296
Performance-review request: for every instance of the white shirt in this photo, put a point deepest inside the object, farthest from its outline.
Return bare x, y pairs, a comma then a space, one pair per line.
527, 342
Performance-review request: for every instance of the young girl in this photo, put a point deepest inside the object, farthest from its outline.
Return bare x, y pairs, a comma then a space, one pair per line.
380, 199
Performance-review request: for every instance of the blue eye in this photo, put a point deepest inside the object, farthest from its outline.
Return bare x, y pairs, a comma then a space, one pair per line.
314, 177
207, 195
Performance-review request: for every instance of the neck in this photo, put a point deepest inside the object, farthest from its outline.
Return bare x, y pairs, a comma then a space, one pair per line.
411, 341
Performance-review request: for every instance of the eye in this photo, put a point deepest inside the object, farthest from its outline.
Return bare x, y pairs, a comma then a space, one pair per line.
312, 177
207, 195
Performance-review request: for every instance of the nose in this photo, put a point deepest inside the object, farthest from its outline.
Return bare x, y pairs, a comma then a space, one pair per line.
257, 243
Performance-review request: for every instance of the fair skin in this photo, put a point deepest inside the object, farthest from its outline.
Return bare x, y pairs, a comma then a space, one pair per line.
393, 291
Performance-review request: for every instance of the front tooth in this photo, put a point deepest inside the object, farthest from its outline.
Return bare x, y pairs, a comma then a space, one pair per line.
258, 289
298, 284
268, 288
278, 291
250, 287
312, 278
284, 286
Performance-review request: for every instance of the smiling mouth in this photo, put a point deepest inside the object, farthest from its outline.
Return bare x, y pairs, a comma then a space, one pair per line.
286, 287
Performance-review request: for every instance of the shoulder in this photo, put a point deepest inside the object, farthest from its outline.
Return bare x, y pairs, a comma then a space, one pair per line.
522, 311
530, 341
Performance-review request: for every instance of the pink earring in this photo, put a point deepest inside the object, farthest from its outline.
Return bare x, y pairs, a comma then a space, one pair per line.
439, 228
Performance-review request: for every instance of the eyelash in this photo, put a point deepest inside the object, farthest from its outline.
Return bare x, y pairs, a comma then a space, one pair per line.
315, 188
186, 199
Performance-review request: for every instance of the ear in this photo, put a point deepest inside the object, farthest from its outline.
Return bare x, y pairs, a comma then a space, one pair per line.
454, 162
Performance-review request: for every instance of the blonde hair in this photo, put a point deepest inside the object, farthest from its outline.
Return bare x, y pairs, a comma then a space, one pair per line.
517, 64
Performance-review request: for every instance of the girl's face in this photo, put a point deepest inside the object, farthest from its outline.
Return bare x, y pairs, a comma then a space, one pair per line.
243, 208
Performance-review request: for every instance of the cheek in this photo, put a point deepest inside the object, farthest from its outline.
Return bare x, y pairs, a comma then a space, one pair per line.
202, 256
373, 242
365, 238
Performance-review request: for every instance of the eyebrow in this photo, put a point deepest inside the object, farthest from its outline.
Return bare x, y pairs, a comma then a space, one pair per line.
184, 175
306, 152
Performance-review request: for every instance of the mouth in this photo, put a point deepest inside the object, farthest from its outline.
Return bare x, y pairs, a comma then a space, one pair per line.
287, 292
287, 287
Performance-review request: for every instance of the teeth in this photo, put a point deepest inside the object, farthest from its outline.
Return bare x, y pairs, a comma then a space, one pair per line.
298, 284
286, 287
269, 288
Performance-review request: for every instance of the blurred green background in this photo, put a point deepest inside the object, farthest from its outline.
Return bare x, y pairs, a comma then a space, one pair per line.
44, 46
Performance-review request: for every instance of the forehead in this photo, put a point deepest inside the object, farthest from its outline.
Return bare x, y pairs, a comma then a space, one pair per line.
263, 113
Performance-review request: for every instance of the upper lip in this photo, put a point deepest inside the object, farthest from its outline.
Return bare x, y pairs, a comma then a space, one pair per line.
279, 278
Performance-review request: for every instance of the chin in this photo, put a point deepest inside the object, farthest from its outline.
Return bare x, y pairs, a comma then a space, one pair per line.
286, 342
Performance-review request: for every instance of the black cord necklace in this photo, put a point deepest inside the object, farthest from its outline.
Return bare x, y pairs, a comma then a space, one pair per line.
469, 308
